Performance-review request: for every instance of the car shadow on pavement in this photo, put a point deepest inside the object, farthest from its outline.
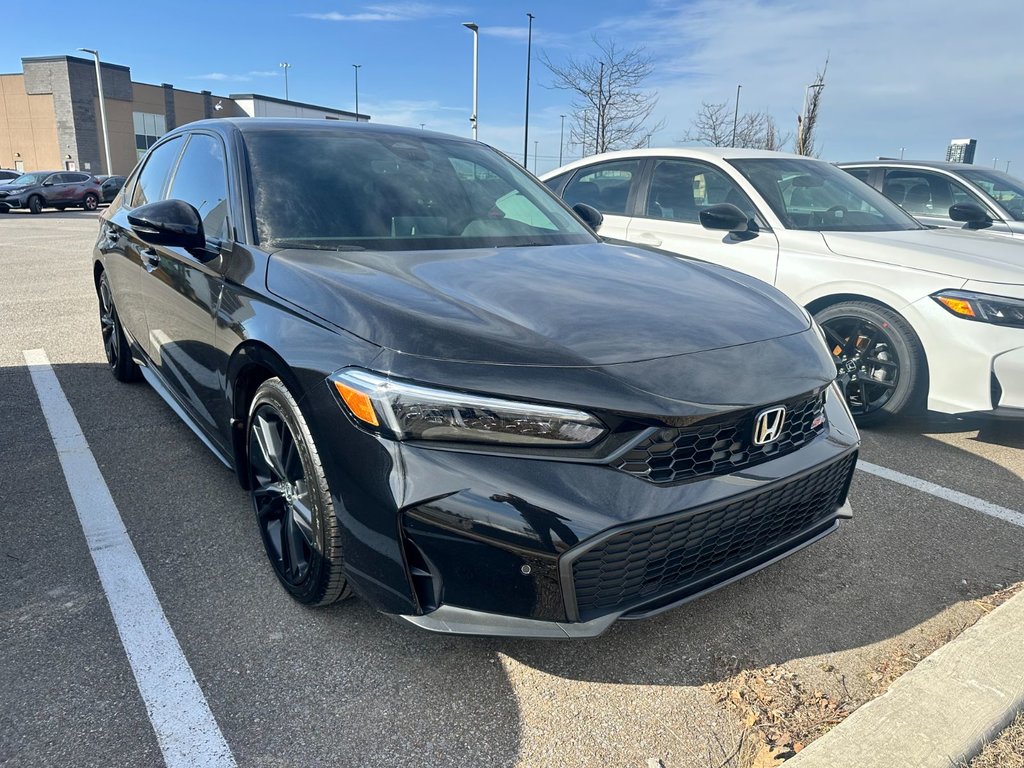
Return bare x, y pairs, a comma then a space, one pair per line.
997, 431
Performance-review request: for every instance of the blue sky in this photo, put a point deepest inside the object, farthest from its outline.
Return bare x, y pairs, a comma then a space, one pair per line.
908, 75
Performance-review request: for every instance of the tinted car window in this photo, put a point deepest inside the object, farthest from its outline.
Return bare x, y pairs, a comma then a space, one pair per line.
1006, 189
201, 179
923, 193
158, 166
864, 174
604, 186
328, 189
680, 189
816, 196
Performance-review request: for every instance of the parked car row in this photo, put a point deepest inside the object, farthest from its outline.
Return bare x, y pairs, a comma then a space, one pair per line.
56, 189
913, 315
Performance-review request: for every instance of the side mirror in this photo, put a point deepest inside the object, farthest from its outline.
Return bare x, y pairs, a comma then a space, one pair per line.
590, 215
972, 213
173, 223
47, 183
724, 216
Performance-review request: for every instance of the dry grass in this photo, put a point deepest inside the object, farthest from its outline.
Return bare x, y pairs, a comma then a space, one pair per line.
781, 713
1007, 751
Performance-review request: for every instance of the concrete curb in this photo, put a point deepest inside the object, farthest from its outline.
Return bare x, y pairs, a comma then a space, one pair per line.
941, 712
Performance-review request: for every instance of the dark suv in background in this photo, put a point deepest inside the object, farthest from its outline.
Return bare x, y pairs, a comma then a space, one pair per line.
50, 189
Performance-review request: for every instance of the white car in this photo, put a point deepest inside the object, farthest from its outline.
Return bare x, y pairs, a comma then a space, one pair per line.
913, 315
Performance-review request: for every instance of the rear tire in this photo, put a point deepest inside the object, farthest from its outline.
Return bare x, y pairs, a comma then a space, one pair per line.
35, 205
90, 202
292, 500
883, 357
115, 345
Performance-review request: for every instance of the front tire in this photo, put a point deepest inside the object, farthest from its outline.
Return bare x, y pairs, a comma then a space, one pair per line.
115, 344
90, 202
882, 356
35, 205
292, 500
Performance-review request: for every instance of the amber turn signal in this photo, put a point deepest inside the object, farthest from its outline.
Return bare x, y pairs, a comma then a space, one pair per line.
960, 306
358, 403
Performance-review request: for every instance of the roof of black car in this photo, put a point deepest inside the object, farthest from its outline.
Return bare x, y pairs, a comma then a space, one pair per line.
251, 124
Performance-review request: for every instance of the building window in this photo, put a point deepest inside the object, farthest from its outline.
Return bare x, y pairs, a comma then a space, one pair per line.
148, 128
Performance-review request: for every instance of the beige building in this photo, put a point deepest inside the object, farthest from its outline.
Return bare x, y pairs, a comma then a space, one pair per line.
50, 117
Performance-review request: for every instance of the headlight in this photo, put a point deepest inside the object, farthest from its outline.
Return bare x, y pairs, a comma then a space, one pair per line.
407, 411
998, 310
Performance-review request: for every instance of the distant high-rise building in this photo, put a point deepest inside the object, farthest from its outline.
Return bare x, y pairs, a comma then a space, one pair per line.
961, 150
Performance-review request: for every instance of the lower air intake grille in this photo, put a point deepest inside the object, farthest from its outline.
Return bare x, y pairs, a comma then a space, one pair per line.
641, 564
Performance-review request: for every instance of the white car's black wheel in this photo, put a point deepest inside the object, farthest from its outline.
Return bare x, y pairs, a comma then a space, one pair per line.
292, 500
879, 357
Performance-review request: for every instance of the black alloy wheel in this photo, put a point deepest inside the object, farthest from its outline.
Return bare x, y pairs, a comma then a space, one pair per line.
291, 499
35, 204
90, 203
878, 356
115, 345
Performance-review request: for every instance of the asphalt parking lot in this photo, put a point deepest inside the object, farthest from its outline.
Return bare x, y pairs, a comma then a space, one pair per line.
346, 686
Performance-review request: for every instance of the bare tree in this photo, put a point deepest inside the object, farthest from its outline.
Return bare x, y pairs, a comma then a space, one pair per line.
713, 125
806, 123
610, 107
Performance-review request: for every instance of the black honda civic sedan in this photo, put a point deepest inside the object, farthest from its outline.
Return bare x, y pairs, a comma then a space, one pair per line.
446, 395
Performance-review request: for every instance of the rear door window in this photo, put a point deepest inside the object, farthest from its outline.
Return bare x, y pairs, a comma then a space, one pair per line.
605, 186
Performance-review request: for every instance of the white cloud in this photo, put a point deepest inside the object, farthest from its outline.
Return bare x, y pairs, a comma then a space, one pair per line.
221, 77
388, 12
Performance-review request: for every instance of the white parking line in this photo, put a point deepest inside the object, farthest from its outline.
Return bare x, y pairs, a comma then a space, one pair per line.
185, 727
963, 499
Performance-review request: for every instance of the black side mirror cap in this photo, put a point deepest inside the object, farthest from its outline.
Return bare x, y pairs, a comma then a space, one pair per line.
590, 215
724, 216
172, 223
971, 213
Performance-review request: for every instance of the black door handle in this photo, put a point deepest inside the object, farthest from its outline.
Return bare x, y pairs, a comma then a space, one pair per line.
151, 256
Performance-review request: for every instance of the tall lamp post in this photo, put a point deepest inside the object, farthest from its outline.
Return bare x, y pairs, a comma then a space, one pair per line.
472, 26
529, 57
561, 140
356, 67
736, 115
285, 66
103, 109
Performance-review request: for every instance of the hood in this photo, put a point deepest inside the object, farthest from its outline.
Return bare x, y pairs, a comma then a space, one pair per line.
570, 305
952, 252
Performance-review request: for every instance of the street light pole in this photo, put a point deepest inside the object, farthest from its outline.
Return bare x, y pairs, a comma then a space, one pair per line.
475, 29
103, 109
285, 66
529, 57
598, 143
356, 67
736, 115
561, 140
535, 145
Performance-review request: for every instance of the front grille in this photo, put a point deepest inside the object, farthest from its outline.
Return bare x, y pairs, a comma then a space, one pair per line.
640, 564
673, 455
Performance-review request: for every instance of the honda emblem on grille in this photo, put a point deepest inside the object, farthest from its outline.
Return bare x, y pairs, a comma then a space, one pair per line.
768, 425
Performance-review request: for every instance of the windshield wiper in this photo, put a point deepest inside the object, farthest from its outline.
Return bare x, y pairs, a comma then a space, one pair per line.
305, 244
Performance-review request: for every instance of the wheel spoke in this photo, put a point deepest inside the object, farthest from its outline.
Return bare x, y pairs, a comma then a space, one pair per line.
291, 461
302, 514
295, 545
268, 439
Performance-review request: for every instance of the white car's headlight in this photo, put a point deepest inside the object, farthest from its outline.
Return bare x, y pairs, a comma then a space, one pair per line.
406, 411
983, 307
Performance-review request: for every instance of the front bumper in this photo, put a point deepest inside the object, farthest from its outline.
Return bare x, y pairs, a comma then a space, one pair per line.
559, 549
10, 203
973, 367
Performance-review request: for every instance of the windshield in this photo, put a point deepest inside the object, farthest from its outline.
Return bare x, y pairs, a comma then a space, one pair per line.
1001, 187
815, 196
28, 179
350, 190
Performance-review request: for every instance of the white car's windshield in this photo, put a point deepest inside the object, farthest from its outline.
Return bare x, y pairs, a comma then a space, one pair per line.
1001, 187
818, 197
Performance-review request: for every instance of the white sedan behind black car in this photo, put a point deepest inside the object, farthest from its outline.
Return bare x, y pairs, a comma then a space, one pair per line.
914, 316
